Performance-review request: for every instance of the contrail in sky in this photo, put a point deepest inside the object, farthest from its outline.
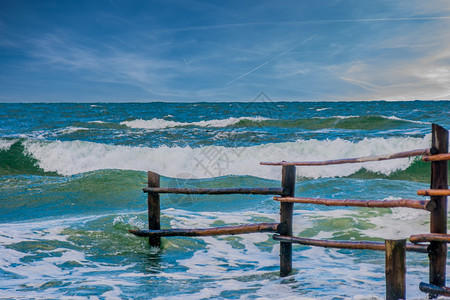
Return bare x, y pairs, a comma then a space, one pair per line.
270, 60
362, 84
224, 26
187, 64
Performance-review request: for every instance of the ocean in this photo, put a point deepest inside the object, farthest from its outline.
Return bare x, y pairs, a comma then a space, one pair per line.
71, 179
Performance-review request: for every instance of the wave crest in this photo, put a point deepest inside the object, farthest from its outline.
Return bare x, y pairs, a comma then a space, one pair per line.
68, 158
156, 123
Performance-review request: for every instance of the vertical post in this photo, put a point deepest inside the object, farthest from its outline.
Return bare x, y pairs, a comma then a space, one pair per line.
154, 213
395, 269
286, 214
437, 251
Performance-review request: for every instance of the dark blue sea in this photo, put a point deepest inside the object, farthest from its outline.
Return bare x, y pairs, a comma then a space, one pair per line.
71, 179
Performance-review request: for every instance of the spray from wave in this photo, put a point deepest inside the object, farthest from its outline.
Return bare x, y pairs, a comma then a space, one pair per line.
74, 157
343, 122
156, 123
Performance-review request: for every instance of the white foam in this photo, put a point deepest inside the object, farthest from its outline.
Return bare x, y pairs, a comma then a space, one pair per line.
394, 118
35, 274
54, 133
156, 123
246, 266
337, 117
5, 144
342, 117
73, 157
69, 130
328, 273
406, 120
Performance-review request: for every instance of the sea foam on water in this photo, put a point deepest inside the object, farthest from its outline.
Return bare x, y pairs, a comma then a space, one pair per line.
64, 234
73, 157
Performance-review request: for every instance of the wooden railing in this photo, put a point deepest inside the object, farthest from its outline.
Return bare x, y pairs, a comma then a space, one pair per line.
436, 241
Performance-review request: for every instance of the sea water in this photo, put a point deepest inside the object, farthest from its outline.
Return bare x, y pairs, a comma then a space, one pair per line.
71, 179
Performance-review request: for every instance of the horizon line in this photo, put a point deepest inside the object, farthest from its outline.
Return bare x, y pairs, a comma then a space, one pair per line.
239, 101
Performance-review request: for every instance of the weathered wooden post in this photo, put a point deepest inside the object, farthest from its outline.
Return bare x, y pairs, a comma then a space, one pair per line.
437, 251
154, 210
395, 269
286, 214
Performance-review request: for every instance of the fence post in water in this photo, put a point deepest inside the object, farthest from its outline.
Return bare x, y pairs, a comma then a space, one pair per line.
437, 251
395, 269
154, 213
286, 214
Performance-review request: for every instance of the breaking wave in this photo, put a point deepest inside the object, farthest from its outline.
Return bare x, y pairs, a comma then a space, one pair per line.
29, 156
156, 123
315, 123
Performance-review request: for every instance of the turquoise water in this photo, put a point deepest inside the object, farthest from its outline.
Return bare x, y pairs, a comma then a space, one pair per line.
70, 187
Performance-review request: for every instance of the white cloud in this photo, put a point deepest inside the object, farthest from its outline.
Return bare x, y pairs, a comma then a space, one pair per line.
58, 51
400, 50
439, 75
409, 62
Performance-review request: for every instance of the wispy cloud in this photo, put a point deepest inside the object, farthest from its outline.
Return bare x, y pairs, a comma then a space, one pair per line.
58, 51
365, 85
420, 73
300, 23
401, 81
209, 52
271, 60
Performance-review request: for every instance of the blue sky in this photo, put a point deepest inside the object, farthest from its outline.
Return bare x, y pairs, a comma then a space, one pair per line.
121, 50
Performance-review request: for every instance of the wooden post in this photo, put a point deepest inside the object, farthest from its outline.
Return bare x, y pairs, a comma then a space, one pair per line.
437, 251
154, 210
286, 214
395, 269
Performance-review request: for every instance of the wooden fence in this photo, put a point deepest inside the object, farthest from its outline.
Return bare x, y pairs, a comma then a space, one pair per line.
433, 243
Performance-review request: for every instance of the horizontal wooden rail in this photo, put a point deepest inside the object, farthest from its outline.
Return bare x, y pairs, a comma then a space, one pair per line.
251, 191
418, 204
434, 289
437, 157
363, 245
411, 153
430, 237
433, 192
226, 230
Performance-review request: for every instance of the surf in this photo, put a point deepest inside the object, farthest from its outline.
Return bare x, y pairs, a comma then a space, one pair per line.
65, 158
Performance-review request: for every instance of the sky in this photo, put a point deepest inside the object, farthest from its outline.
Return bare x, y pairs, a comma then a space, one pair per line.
192, 51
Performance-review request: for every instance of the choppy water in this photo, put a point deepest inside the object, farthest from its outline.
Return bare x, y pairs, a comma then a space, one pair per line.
70, 188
